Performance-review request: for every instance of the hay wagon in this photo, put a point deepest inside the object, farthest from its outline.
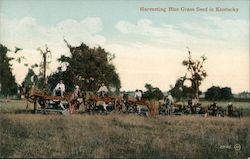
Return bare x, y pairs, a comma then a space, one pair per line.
45, 103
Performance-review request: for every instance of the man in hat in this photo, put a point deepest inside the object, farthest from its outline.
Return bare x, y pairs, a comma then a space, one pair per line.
75, 101
60, 87
138, 95
169, 101
103, 90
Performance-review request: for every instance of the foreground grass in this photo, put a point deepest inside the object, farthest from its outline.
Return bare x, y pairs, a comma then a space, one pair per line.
122, 136
12, 106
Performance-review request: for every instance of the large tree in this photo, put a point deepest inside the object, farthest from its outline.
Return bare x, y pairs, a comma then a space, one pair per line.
197, 73
40, 79
46, 54
8, 86
90, 67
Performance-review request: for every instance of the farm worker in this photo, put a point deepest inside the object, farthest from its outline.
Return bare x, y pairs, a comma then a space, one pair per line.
195, 101
77, 92
170, 99
214, 108
230, 109
138, 94
169, 102
60, 87
103, 90
141, 93
74, 103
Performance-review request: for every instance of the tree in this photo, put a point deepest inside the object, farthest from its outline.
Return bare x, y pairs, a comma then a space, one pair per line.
152, 92
216, 93
197, 72
7, 79
43, 66
226, 93
244, 94
90, 67
40, 80
30, 79
213, 93
180, 91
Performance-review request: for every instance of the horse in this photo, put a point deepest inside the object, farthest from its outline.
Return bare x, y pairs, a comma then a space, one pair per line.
91, 101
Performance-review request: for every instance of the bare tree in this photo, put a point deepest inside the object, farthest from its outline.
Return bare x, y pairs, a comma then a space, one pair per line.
197, 72
46, 54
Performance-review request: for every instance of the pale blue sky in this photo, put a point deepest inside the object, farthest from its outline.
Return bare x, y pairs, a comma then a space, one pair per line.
49, 12
155, 40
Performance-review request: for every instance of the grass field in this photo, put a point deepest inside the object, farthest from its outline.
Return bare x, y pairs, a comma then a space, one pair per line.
120, 136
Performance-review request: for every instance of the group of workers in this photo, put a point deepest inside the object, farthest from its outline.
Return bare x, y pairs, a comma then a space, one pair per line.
138, 94
75, 101
103, 91
60, 90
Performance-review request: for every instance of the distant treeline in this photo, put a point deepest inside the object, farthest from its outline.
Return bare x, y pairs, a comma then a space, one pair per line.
234, 99
242, 99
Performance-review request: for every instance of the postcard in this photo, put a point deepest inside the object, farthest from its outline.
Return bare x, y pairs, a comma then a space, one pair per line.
124, 79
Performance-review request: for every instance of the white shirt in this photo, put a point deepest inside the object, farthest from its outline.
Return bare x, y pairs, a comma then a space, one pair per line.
138, 94
170, 98
103, 89
60, 86
194, 101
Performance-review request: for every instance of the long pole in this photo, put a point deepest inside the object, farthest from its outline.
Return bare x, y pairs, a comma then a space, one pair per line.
44, 68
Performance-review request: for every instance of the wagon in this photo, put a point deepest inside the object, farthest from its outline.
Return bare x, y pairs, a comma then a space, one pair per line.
45, 103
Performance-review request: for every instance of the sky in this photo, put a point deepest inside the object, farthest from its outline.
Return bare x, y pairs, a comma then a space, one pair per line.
149, 45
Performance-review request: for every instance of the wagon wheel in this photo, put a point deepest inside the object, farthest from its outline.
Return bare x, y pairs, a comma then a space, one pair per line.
90, 105
131, 107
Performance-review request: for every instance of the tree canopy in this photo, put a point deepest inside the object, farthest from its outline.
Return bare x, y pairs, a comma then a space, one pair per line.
89, 68
180, 91
30, 79
216, 93
8, 83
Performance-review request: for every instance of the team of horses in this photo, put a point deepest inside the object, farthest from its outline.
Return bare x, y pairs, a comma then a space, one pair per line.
89, 100
93, 103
